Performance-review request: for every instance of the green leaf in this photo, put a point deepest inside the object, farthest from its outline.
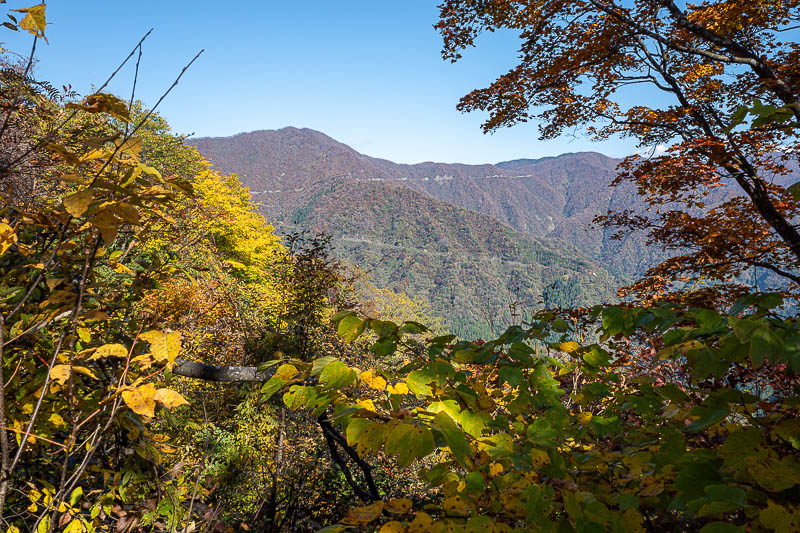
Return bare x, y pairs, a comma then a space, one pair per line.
408, 442
76, 496
765, 344
350, 327
794, 190
737, 117
707, 416
320, 364
299, 397
417, 382
413, 327
475, 482
542, 434
597, 357
271, 387
355, 428
337, 375
511, 375
454, 437
384, 347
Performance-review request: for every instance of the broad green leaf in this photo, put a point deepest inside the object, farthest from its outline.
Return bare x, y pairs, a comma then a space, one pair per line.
455, 439
320, 364
511, 375
408, 442
384, 347
351, 327
271, 387
417, 382
337, 375
75, 496
475, 482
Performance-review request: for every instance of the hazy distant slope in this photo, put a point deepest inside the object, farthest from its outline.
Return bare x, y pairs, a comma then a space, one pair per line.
467, 264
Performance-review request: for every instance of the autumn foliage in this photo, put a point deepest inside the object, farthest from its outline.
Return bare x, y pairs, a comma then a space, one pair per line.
678, 81
169, 363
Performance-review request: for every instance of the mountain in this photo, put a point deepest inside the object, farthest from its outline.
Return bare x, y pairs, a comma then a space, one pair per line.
471, 239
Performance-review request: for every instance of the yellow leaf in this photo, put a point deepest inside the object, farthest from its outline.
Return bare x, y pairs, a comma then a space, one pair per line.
169, 398
69, 157
366, 404
108, 225
76, 204
44, 525
569, 347
164, 346
122, 269
34, 20
392, 527
131, 147
457, 505
126, 212
399, 505
109, 350
495, 469
286, 372
539, 458
85, 371
421, 524
97, 153
371, 380
398, 388
363, 515
7, 237
141, 400
74, 526
60, 373
84, 335
56, 420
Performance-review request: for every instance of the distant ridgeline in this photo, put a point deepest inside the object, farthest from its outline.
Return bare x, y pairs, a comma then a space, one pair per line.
479, 242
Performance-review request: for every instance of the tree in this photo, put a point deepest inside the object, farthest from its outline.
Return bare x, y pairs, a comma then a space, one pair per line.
710, 61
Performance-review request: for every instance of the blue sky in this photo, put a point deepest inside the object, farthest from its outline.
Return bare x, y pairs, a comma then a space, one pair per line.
367, 73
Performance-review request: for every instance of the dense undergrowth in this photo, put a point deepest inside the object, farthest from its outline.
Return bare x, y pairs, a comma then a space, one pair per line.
125, 258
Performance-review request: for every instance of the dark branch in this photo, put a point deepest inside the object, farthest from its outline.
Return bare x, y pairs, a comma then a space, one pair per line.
237, 374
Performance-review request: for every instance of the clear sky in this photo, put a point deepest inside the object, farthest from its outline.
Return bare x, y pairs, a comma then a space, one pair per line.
366, 72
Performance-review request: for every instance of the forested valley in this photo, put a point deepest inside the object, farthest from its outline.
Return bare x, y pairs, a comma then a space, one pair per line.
339, 343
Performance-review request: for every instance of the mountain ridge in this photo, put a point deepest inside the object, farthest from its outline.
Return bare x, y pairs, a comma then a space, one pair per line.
458, 235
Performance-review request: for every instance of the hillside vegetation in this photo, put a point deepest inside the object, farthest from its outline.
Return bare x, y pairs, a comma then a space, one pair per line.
170, 362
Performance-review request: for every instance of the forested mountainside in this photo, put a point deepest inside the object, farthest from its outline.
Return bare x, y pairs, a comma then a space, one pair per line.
423, 229
553, 197
170, 362
467, 265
